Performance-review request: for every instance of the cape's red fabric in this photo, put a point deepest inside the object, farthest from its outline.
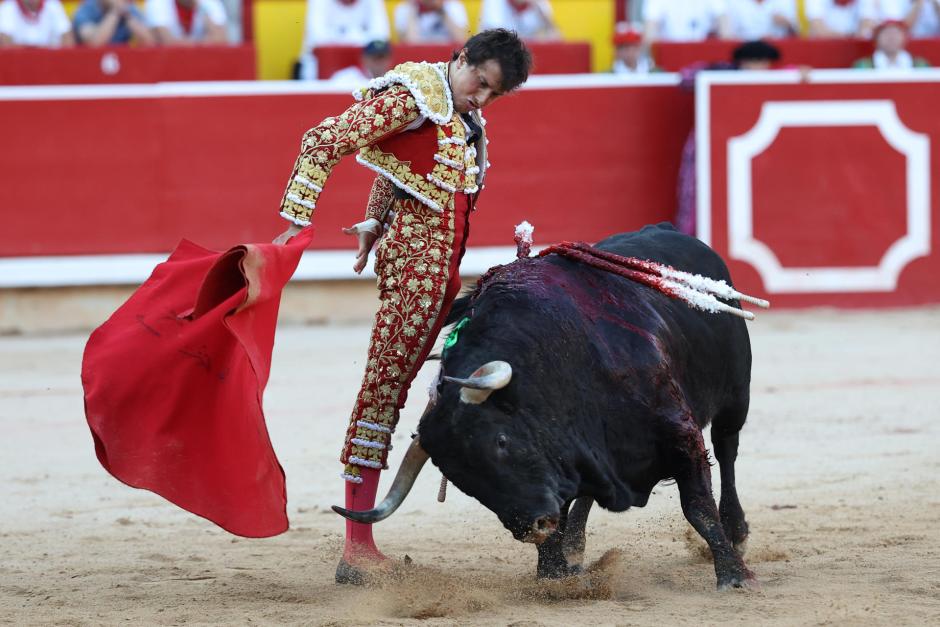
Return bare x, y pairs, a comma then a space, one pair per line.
174, 379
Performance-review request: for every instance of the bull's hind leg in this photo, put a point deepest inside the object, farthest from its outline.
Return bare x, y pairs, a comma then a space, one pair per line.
561, 553
695, 493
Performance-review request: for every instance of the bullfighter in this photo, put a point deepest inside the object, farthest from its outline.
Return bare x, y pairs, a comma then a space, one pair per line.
420, 129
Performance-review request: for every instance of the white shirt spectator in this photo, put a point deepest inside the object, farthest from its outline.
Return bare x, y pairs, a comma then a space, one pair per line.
353, 76
754, 19
532, 21
643, 66
46, 29
926, 24
903, 61
431, 27
163, 14
346, 23
683, 20
842, 19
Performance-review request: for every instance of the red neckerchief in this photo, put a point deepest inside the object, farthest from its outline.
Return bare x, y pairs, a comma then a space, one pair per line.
422, 8
31, 15
347, 2
185, 15
519, 5
843, 3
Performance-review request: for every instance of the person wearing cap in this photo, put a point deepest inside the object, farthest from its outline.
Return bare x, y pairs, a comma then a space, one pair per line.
921, 16
629, 54
375, 61
419, 128
890, 39
755, 55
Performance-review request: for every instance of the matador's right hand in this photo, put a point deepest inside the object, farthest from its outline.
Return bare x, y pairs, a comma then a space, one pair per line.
368, 232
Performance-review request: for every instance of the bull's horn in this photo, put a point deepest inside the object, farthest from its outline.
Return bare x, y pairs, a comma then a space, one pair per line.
411, 465
484, 381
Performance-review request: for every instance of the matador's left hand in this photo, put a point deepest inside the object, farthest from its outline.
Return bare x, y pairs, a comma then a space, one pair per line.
368, 232
291, 231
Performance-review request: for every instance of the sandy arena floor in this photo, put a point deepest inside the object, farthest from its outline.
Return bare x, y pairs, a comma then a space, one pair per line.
839, 473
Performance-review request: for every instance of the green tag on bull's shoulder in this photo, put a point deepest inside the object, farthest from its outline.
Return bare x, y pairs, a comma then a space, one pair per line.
454, 334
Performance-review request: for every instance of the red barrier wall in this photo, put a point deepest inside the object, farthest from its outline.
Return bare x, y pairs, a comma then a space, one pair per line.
123, 64
823, 193
110, 171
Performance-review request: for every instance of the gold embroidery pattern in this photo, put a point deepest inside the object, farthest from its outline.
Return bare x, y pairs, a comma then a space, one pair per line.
389, 166
476, 158
361, 125
444, 181
444, 175
413, 266
380, 199
427, 83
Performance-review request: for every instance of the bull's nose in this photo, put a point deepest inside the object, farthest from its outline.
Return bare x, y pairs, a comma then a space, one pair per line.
541, 529
545, 524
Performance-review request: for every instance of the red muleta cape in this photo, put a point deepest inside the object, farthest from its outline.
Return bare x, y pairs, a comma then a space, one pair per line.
174, 380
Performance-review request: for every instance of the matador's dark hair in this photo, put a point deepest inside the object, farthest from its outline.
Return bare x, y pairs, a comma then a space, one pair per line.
506, 48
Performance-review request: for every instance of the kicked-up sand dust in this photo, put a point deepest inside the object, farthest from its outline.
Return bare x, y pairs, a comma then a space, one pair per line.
838, 472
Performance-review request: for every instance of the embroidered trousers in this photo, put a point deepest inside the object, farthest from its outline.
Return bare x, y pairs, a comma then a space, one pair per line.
417, 264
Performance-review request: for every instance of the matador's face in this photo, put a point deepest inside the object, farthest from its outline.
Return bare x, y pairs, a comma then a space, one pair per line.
474, 86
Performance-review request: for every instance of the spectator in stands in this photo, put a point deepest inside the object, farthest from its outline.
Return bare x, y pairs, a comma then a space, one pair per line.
42, 23
762, 19
630, 56
838, 18
754, 55
186, 22
749, 56
921, 16
431, 21
109, 22
685, 20
375, 61
890, 54
532, 19
340, 22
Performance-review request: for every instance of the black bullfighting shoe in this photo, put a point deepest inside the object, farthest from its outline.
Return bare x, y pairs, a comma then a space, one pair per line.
346, 573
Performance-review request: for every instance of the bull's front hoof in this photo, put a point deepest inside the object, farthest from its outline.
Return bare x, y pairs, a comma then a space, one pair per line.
559, 572
745, 581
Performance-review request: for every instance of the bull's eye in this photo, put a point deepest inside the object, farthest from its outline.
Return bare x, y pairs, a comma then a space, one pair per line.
502, 441
434, 390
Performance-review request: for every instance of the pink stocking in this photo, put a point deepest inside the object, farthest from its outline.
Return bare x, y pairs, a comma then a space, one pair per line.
360, 547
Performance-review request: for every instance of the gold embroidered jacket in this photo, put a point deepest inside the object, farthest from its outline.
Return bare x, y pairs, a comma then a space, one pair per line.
388, 125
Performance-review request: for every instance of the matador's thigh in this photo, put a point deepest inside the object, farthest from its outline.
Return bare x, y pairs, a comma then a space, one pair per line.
417, 265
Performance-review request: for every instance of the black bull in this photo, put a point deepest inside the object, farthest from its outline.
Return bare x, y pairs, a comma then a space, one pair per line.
611, 385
